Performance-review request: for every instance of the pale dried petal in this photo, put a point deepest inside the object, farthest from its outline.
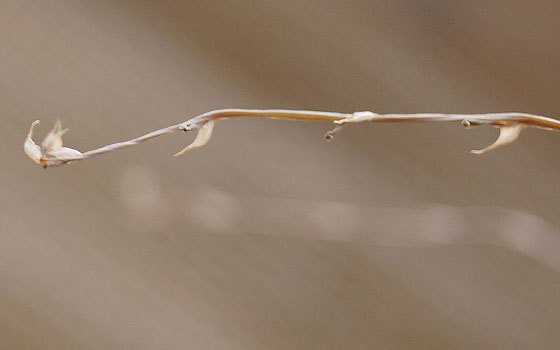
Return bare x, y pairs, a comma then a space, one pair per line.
64, 154
53, 140
508, 134
31, 149
202, 138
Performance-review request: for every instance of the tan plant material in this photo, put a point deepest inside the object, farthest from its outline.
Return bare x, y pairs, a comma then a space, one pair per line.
202, 138
52, 153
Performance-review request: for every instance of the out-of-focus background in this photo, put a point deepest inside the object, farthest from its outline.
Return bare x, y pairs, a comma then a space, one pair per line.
391, 236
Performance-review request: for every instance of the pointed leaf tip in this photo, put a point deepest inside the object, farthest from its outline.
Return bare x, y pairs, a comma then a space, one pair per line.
31, 149
202, 138
508, 134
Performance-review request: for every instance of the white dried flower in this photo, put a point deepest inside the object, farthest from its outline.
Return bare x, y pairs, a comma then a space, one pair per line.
51, 151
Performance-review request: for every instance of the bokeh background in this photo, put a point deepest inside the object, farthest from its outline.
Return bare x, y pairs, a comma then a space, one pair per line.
391, 236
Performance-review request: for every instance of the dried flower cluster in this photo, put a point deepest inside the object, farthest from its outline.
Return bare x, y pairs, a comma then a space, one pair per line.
52, 153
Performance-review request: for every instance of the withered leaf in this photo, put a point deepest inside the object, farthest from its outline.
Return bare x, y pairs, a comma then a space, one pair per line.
508, 134
202, 138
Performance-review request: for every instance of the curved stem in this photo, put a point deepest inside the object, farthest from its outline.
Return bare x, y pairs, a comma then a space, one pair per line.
496, 119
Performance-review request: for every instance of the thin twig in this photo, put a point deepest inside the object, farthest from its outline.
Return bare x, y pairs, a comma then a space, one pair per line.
510, 125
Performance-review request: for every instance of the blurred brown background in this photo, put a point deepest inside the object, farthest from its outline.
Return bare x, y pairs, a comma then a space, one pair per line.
391, 236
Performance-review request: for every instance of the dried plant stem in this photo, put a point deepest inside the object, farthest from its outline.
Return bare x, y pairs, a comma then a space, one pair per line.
510, 125
201, 119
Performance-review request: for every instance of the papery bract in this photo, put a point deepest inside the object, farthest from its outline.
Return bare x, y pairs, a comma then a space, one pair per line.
51, 150
31, 149
508, 134
202, 138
